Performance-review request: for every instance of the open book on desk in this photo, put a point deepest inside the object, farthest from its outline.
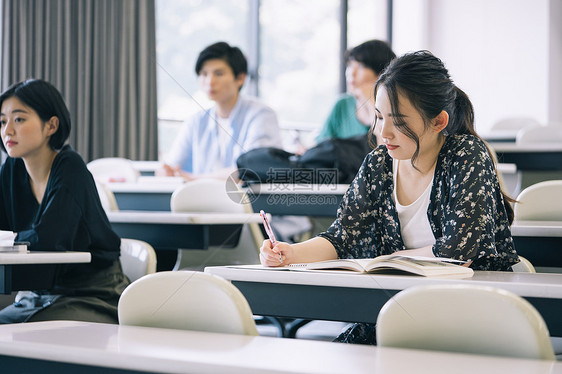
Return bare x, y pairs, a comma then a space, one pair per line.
393, 264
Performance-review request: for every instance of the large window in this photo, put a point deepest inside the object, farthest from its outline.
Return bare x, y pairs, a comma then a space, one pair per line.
366, 20
298, 51
300, 58
183, 29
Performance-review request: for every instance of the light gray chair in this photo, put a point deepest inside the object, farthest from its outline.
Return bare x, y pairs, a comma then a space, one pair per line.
107, 198
539, 135
514, 123
523, 266
540, 202
138, 258
113, 169
211, 195
464, 318
186, 300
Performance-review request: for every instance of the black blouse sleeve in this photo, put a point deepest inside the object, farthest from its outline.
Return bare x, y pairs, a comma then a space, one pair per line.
364, 219
4, 224
471, 210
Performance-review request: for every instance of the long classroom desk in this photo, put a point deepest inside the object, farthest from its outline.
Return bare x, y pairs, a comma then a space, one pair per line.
356, 297
170, 231
85, 347
539, 241
500, 136
34, 270
530, 157
147, 168
148, 193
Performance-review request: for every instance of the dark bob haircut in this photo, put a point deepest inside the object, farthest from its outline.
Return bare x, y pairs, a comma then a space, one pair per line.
233, 56
46, 101
374, 54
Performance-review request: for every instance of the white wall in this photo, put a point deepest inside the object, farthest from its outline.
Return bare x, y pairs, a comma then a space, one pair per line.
497, 51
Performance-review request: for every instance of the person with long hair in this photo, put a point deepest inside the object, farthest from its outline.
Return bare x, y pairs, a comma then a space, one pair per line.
430, 189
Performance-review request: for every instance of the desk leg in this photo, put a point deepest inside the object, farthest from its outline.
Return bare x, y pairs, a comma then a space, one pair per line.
5, 279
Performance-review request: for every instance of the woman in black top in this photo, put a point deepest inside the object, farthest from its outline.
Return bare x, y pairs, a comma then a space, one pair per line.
49, 198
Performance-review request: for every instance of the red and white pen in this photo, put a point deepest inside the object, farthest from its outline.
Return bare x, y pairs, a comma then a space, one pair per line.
269, 232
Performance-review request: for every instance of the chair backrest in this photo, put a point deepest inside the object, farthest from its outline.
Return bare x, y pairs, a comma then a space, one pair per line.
540, 202
206, 195
186, 300
138, 258
464, 318
113, 169
107, 198
214, 195
523, 266
539, 134
514, 123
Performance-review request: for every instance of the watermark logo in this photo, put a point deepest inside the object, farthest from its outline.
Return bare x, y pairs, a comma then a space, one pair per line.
285, 186
235, 191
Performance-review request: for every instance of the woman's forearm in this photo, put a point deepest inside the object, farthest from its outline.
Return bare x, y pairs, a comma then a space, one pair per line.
315, 249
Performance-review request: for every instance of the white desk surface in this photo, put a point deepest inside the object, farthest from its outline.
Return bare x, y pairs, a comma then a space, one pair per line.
299, 189
536, 147
537, 228
499, 135
44, 258
545, 285
177, 351
506, 168
134, 216
147, 165
147, 185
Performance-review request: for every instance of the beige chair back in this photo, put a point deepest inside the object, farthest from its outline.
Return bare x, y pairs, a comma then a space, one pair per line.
464, 318
540, 202
214, 195
186, 300
113, 169
523, 266
540, 135
138, 258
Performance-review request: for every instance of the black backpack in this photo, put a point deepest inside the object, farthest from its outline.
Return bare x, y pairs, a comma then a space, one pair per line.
331, 161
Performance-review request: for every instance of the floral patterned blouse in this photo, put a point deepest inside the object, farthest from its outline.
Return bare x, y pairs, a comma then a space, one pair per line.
466, 210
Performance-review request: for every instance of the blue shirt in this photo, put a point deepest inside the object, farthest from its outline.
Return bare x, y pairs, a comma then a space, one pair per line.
197, 148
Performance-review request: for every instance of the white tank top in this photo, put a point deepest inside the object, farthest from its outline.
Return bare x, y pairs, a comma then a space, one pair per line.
414, 224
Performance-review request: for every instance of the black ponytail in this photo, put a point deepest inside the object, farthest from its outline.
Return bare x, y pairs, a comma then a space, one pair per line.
461, 115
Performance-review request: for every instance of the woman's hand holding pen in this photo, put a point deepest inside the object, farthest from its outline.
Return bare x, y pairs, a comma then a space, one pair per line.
275, 255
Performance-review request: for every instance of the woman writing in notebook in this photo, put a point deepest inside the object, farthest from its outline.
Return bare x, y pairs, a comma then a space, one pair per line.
49, 199
430, 189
